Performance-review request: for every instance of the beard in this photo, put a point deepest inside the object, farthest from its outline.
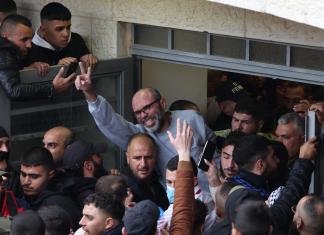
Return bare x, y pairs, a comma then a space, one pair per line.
99, 170
159, 120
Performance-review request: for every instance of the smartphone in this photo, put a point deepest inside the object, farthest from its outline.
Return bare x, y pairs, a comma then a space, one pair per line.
312, 126
207, 153
71, 69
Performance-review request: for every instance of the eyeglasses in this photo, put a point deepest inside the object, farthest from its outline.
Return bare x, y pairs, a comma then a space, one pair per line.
293, 209
146, 107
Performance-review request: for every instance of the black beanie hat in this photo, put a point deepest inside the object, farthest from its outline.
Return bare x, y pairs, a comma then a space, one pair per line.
3, 132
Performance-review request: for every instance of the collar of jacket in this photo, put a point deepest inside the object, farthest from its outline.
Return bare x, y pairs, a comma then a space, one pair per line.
255, 180
39, 41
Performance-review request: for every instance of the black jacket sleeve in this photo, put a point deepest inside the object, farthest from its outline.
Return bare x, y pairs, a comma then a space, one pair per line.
297, 187
10, 80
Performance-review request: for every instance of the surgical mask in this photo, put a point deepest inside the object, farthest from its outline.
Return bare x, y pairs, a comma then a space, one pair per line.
170, 194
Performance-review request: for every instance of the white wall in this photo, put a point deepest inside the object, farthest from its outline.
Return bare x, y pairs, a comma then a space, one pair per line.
176, 81
97, 21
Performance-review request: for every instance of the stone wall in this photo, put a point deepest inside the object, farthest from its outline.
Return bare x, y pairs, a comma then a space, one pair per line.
97, 21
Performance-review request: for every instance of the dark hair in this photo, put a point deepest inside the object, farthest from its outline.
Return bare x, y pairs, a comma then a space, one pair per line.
141, 135
27, 222
57, 220
4, 156
313, 208
55, 11
199, 216
172, 164
250, 149
156, 94
252, 218
233, 138
8, 6
114, 185
12, 21
38, 156
111, 207
250, 107
183, 105
280, 176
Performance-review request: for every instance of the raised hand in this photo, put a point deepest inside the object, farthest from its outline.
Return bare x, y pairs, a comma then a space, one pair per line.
182, 141
319, 109
83, 83
309, 149
213, 175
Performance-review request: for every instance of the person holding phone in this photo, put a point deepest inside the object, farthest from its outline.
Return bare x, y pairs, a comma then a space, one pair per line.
54, 43
15, 41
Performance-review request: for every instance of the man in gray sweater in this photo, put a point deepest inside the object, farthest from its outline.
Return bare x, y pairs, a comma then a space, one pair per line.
149, 108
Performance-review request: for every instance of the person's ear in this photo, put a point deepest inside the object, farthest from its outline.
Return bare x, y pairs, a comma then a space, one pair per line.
51, 174
163, 103
299, 223
88, 165
259, 164
109, 223
260, 124
127, 157
42, 31
219, 213
235, 231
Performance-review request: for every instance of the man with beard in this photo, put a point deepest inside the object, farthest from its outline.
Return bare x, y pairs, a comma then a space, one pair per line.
15, 41
140, 175
83, 159
255, 158
82, 166
149, 108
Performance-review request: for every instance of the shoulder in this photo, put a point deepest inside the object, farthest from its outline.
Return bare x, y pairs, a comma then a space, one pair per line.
191, 116
75, 37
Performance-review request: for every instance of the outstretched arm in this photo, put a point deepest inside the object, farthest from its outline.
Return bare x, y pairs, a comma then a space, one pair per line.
183, 209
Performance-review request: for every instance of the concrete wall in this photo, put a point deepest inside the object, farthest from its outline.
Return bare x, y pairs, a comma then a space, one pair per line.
97, 21
308, 12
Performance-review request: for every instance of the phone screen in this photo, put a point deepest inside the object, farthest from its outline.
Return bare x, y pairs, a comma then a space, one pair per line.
71, 69
207, 153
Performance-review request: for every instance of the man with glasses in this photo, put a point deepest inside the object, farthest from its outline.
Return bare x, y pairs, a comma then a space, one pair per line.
150, 111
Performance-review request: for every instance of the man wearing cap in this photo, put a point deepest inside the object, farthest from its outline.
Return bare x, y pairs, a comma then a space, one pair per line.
81, 166
228, 94
247, 118
141, 219
82, 158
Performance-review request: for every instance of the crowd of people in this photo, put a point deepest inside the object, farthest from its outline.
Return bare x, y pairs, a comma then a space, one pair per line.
257, 183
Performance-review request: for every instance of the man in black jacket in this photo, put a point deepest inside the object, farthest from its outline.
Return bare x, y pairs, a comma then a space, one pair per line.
140, 176
54, 43
15, 41
281, 214
36, 169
